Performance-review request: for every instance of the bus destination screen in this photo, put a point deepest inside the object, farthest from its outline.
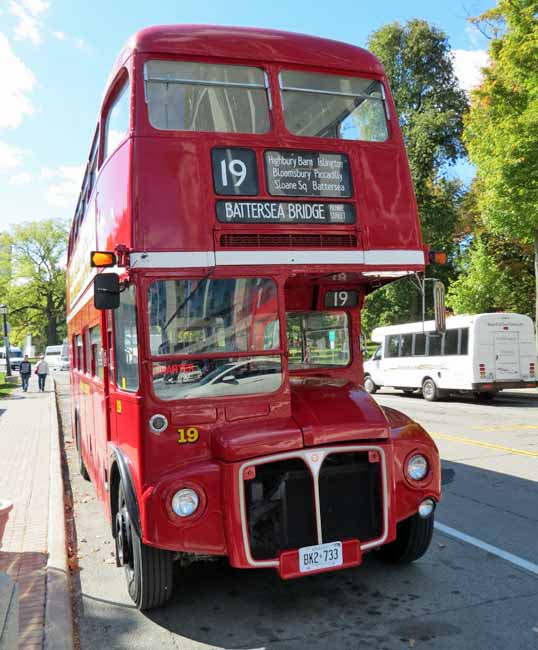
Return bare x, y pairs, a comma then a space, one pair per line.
288, 174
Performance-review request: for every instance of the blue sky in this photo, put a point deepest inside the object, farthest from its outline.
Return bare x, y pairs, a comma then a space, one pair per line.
55, 56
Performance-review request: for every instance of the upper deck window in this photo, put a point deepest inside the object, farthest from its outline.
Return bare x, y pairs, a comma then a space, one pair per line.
188, 96
329, 106
117, 120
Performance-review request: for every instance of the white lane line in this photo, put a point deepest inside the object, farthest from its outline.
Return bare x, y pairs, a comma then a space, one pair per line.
509, 557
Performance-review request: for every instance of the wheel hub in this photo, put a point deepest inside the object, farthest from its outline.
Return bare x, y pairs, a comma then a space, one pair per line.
123, 538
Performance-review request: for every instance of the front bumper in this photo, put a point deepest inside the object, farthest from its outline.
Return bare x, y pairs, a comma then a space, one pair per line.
260, 511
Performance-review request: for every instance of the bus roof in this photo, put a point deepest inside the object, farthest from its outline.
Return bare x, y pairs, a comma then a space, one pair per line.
452, 322
251, 43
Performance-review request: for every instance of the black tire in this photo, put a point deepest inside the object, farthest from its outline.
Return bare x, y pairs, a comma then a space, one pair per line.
148, 570
413, 537
369, 385
484, 397
430, 392
81, 466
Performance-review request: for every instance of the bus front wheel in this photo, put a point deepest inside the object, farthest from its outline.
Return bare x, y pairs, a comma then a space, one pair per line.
430, 391
413, 537
370, 385
148, 570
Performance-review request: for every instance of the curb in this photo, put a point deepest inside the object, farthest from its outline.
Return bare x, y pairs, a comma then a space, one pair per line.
58, 633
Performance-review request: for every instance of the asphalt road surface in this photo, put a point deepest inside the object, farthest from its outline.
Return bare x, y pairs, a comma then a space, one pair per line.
477, 587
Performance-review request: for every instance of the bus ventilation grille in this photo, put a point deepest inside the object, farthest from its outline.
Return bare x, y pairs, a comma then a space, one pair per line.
287, 241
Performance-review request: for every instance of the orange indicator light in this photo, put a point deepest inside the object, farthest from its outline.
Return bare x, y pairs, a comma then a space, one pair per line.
102, 259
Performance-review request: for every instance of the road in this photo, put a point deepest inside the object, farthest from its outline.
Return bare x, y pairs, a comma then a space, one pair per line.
477, 587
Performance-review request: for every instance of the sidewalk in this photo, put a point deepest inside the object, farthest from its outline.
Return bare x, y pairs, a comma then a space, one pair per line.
33, 548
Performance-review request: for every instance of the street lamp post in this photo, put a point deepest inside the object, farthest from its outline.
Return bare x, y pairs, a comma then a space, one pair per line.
3, 311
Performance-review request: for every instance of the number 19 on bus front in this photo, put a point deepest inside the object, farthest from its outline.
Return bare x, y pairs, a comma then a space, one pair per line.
235, 172
335, 299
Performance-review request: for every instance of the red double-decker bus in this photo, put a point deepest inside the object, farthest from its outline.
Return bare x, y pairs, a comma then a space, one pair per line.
245, 190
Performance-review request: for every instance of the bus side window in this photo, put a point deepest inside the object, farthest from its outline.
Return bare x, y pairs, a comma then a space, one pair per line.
419, 349
87, 352
451, 342
434, 345
464, 340
97, 357
405, 347
117, 120
392, 344
78, 354
126, 341
110, 341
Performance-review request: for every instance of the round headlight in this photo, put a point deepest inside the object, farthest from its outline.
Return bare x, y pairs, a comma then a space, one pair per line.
417, 467
158, 423
425, 509
185, 502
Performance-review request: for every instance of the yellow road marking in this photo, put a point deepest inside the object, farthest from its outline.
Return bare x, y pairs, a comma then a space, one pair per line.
490, 445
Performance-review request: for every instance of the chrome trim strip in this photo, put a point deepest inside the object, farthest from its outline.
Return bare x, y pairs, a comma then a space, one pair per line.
200, 82
330, 92
314, 467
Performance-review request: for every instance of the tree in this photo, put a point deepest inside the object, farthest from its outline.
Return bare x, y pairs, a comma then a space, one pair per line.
496, 275
32, 255
430, 105
502, 127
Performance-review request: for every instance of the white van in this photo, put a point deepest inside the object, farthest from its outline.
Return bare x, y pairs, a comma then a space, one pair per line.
15, 358
53, 354
480, 354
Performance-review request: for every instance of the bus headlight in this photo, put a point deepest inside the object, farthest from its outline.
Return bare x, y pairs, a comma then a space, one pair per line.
185, 502
417, 467
157, 423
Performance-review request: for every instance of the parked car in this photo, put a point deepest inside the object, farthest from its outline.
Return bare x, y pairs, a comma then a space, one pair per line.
53, 354
64, 363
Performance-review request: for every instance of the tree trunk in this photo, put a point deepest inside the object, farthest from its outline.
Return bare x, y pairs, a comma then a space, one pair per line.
536, 286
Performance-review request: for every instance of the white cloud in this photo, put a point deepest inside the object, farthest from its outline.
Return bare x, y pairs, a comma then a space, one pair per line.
79, 43
65, 184
10, 157
60, 35
17, 82
28, 12
468, 66
24, 178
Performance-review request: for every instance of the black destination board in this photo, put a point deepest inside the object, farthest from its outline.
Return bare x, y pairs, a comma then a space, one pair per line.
341, 298
307, 173
284, 212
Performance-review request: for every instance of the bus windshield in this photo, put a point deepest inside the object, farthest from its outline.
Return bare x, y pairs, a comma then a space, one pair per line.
218, 317
327, 106
187, 96
317, 339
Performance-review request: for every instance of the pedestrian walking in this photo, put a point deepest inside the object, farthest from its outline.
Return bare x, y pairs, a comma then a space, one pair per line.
42, 370
26, 370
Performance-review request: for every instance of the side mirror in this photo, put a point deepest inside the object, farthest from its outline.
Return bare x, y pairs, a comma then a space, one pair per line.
229, 379
106, 291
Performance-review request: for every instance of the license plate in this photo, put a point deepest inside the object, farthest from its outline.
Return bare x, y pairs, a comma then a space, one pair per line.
322, 556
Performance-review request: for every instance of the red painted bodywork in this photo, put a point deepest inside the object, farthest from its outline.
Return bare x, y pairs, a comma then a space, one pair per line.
155, 193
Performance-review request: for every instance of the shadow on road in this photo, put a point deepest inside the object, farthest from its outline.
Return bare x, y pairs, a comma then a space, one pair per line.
510, 398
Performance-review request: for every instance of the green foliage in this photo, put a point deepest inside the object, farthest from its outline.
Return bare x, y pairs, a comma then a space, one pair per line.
32, 285
502, 126
495, 275
430, 106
